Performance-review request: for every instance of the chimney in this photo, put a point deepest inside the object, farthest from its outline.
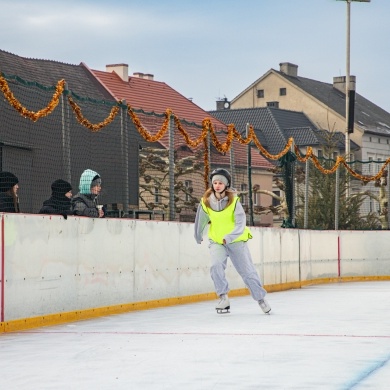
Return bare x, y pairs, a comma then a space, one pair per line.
289, 69
339, 83
146, 76
122, 70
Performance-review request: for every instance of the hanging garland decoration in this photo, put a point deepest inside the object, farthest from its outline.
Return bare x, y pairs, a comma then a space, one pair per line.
309, 153
206, 163
221, 147
144, 133
367, 178
252, 137
207, 126
34, 116
192, 143
339, 160
86, 123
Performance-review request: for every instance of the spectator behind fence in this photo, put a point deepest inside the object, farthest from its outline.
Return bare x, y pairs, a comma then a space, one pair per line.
9, 185
60, 200
85, 202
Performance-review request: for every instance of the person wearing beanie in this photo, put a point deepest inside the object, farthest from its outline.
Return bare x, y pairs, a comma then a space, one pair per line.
60, 200
228, 234
85, 203
9, 200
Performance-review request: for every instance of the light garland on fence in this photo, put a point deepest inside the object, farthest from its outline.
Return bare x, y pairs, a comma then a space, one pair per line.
207, 127
340, 160
86, 123
143, 132
34, 116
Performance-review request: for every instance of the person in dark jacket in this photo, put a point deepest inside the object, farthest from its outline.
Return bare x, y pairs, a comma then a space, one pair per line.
9, 200
60, 200
85, 202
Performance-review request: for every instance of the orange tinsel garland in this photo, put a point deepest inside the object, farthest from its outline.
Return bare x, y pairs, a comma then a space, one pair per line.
34, 116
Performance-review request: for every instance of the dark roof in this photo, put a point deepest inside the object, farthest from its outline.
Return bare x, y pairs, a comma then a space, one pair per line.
368, 115
48, 73
273, 126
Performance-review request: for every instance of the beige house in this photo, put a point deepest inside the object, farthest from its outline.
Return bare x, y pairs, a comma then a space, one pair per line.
323, 103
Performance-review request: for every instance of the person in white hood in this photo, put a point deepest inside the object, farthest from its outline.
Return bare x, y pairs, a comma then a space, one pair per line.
228, 235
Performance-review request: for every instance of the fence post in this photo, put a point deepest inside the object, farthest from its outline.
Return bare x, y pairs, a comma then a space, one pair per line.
232, 167
249, 160
125, 157
65, 136
306, 206
171, 169
388, 197
337, 199
293, 165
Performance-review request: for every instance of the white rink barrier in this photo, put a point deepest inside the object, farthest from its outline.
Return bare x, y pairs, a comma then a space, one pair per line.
57, 270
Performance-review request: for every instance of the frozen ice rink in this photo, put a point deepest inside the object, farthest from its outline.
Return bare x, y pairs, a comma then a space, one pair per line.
334, 336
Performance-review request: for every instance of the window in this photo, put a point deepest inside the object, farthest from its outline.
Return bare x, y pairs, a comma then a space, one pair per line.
275, 202
156, 195
319, 153
244, 197
335, 154
370, 164
256, 199
282, 91
379, 140
260, 93
273, 104
188, 185
379, 166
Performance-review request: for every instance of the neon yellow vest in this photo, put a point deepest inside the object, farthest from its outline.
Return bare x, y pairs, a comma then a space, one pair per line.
222, 223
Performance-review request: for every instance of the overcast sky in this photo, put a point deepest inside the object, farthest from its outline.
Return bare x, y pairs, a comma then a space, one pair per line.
207, 49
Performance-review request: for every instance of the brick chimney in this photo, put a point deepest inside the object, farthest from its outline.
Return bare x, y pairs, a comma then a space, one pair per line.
122, 70
340, 81
289, 69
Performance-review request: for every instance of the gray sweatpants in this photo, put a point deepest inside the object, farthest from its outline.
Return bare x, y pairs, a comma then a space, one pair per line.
239, 254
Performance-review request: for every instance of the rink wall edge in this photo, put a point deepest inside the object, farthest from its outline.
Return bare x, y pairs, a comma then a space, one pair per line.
79, 315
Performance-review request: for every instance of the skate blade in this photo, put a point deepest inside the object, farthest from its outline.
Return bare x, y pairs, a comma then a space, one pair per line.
223, 311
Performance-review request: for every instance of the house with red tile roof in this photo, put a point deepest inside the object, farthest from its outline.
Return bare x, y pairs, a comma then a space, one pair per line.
142, 92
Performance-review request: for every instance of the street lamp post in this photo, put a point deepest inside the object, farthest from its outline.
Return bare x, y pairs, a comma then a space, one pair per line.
348, 125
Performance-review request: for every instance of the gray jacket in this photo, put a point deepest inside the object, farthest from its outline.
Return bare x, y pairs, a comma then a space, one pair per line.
85, 205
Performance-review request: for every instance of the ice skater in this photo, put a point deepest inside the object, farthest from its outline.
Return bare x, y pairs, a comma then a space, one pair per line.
228, 236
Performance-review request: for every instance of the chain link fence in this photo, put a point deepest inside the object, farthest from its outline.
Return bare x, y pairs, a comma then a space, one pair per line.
157, 166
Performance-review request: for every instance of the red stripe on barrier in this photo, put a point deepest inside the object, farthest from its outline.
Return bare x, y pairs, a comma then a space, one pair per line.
2, 271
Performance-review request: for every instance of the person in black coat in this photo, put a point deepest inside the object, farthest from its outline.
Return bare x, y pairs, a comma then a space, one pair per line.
60, 200
9, 185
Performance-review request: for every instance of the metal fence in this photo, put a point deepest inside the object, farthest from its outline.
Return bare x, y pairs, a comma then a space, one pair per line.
157, 165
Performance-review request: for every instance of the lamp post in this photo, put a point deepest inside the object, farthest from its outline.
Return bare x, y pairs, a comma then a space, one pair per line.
348, 111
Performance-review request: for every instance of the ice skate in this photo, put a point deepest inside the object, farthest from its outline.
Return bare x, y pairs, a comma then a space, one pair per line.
223, 305
264, 306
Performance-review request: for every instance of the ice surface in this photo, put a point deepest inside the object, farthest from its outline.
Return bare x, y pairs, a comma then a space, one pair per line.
334, 336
